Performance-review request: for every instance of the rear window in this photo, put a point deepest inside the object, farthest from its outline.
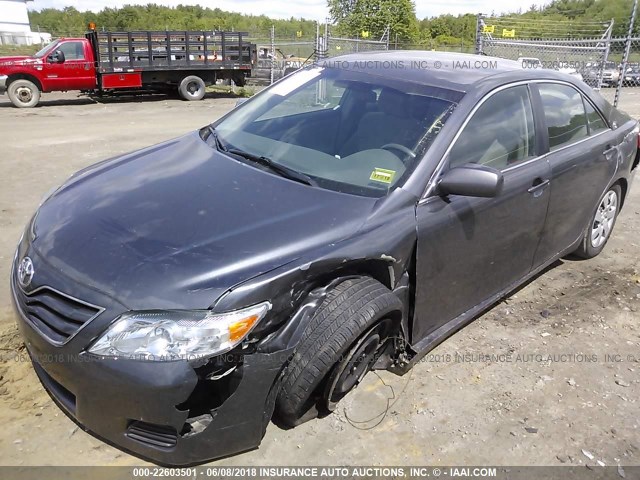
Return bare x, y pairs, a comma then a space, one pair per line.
596, 123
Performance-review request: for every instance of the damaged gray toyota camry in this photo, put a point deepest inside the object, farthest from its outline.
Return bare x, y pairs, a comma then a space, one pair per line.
176, 299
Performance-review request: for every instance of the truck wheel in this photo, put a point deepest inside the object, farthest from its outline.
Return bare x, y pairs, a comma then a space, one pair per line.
23, 93
192, 88
239, 80
601, 225
338, 347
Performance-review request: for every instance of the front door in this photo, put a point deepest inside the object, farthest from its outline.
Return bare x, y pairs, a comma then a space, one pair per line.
470, 249
77, 72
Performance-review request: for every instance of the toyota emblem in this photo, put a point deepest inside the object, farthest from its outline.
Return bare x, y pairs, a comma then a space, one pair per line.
25, 272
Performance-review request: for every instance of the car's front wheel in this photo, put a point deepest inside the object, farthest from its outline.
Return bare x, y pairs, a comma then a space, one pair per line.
339, 346
602, 222
23, 93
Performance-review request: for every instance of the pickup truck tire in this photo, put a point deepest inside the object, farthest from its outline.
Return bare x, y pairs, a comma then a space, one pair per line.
348, 330
602, 222
192, 88
23, 93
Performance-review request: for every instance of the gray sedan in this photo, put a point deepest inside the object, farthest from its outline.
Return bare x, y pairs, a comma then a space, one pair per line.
347, 218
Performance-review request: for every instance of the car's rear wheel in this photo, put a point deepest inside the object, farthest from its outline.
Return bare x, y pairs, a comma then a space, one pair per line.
23, 93
339, 346
602, 222
192, 88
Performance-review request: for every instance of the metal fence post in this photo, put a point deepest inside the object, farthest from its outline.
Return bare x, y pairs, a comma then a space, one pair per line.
479, 39
325, 52
322, 42
273, 54
625, 56
606, 55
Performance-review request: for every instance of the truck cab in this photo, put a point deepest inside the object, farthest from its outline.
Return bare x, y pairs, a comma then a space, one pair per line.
65, 64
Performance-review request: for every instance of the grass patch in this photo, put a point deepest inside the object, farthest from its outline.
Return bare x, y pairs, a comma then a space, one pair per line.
243, 92
11, 50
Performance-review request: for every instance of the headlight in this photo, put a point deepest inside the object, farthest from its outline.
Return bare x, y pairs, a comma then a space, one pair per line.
174, 335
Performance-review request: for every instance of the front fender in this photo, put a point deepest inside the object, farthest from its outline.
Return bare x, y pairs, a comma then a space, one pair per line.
383, 250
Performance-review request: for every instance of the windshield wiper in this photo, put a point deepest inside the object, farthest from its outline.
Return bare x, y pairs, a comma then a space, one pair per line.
283, 171
219, 145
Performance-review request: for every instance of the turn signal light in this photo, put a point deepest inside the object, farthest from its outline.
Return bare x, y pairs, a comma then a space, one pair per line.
239, 329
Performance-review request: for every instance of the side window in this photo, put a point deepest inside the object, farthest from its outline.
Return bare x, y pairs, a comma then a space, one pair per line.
72, 50
596, 123
500, 133
564, 113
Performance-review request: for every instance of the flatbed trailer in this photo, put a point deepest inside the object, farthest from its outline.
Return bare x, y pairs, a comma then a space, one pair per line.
165, 58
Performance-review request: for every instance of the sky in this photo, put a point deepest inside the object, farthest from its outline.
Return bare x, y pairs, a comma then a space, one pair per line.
310, 9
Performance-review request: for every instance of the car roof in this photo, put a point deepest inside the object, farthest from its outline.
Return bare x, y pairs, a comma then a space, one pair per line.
456, 71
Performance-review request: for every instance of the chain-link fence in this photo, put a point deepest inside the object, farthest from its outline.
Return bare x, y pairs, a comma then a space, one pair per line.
342, 46
278, 57
583, 49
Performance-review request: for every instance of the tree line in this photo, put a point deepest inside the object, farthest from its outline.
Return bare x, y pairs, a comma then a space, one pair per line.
371, 19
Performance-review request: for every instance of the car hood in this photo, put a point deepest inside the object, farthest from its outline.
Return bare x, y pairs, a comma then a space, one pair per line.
6, 61
178, 224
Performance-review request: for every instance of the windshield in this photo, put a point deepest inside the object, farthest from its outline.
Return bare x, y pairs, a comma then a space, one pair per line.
346, 130
42, 52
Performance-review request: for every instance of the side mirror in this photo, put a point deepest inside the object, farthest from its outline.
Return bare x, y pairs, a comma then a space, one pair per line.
56, 57
471, 180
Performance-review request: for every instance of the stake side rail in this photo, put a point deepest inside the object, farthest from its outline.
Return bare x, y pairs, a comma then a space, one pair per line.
171, 50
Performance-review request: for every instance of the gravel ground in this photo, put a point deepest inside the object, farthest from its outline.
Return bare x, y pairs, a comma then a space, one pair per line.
550, 376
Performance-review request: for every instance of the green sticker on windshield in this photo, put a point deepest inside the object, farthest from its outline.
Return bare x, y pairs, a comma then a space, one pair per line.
383, 175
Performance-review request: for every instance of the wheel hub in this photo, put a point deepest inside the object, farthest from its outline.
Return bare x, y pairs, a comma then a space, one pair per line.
24, 94
193, 88
355, 365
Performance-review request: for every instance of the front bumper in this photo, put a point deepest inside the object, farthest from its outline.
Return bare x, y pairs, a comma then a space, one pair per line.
148, 408
3, 83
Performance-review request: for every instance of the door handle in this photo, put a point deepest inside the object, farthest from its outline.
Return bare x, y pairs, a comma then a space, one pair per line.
609, 150
538, 184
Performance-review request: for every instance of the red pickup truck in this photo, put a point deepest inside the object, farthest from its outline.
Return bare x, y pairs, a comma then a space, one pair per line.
182, 61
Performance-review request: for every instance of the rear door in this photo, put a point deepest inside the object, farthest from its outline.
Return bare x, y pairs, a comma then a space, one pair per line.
583, 158
470, 249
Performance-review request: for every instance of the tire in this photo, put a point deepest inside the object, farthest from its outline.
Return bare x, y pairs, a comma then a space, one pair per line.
239, 80
349, 313
601, 225
192, 88
23, 93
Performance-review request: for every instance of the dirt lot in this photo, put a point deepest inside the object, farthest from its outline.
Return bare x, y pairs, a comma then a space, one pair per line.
535, 388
